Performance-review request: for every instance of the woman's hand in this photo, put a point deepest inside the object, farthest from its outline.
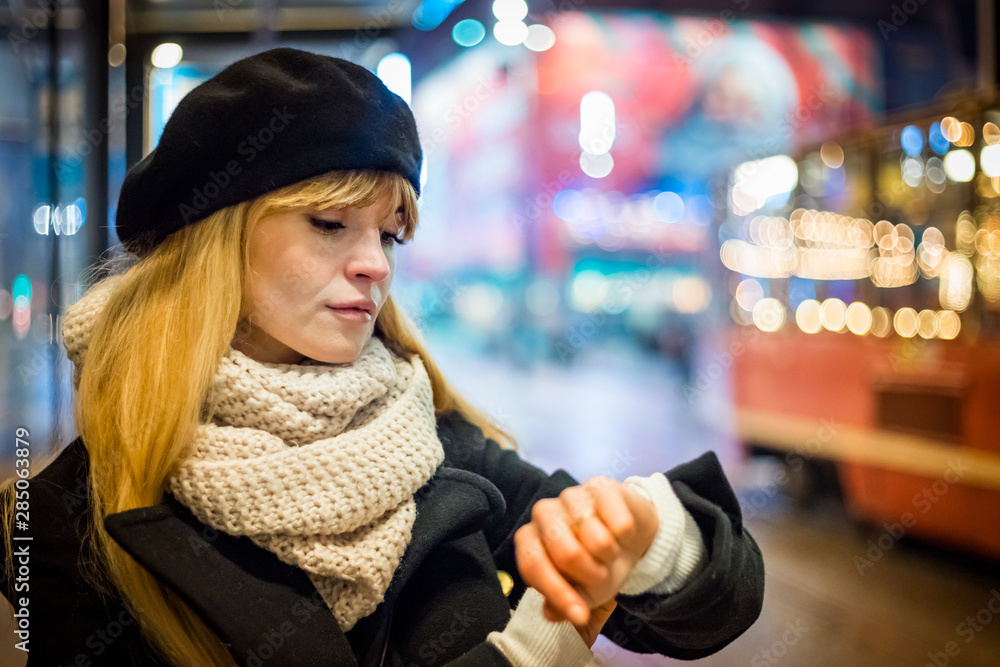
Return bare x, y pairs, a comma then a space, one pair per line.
578, 549
598, 617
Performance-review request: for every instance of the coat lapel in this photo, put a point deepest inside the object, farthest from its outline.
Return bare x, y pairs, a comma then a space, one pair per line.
264, 609
452, 504
258, 605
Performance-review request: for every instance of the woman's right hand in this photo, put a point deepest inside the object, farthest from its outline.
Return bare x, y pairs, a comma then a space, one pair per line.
579, 548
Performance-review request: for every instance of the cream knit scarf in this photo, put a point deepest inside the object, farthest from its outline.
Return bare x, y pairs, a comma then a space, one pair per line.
314, 462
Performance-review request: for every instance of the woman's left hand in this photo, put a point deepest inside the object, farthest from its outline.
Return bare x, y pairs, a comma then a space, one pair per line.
578, 548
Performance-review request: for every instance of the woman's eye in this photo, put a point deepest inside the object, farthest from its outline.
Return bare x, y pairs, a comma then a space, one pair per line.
326, 226
331, 226
388, 238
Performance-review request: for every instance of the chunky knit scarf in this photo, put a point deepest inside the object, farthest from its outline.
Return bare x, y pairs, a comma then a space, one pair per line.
315, 462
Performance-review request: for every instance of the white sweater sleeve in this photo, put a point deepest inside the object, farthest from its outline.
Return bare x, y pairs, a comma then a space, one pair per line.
531, 640
677, 551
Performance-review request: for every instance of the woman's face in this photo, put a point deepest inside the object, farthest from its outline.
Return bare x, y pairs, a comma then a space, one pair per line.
318, 280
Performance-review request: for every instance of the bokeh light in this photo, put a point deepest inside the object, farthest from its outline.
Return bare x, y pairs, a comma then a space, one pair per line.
540, 37
833, 314
468, 32
691, 294
832, 154
769, 315
912, 140
859, 318
951, 128
960, 166
905, 322
394, 70
569, 205
807, 316
937, 141
991, 134
955, 287
948, 325
668, 206
989, 160
510, 10
748, 293
881, 321
166, 55
510, 33
597, 122
927, 324
596, 166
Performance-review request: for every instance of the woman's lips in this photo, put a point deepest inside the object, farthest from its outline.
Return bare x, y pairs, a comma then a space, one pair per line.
353, 314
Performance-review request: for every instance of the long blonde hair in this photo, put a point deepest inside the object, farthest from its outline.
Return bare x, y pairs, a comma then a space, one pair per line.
152, 355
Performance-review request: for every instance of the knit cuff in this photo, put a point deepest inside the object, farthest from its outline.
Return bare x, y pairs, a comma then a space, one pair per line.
531, 640
677, 550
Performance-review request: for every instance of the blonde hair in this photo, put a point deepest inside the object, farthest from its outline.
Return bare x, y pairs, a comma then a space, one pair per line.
152, 355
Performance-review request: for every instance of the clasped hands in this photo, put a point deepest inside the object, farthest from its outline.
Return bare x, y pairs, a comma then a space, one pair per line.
579, 548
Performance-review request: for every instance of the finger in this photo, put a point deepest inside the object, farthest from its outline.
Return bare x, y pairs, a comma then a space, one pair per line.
598, 540
590, 531
614, 511
552, 614
578, 501
638, 499
538, 572
642, 506
565, 551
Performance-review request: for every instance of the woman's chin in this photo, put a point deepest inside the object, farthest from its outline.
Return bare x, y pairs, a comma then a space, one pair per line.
339, 355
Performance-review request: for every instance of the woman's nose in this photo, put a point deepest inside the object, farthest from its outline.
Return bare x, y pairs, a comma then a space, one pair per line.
369, 258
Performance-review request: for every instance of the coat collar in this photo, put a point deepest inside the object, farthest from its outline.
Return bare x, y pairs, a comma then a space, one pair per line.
264, 608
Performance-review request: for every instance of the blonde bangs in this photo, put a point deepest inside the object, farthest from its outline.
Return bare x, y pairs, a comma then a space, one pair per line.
337, 189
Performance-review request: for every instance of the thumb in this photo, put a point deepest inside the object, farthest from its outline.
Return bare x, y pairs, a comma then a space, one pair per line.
647, 517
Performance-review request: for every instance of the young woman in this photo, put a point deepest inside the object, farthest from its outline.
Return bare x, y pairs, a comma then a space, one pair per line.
272, 469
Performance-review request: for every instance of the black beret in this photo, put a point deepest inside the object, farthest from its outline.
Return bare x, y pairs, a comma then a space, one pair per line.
263, 123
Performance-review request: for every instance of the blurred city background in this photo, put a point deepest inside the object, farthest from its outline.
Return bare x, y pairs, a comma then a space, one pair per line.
648, 229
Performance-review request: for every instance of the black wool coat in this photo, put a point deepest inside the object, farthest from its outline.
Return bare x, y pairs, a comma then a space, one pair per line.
444, 599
